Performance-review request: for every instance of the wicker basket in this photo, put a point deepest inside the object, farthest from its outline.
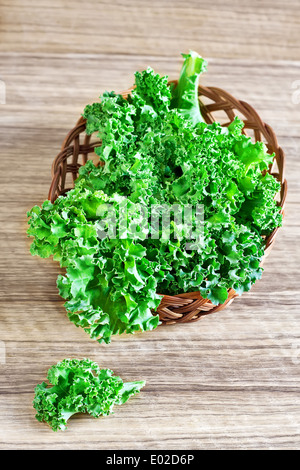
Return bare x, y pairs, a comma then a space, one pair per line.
216, 105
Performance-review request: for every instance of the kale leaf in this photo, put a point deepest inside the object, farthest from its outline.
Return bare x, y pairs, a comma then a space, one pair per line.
80, 386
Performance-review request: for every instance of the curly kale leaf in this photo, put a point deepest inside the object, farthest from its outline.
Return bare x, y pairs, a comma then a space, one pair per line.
80, 386
109, 285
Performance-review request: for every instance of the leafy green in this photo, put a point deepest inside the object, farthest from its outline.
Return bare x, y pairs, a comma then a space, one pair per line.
79, 386
185, 95
158, 157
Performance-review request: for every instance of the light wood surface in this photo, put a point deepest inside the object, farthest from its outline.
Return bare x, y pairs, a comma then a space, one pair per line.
230, 381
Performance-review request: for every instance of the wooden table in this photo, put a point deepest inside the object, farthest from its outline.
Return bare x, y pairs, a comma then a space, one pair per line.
230, 381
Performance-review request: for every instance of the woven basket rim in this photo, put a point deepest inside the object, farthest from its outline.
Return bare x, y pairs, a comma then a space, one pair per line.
190, 306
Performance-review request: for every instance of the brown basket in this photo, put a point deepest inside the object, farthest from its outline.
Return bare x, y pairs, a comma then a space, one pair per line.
77, 147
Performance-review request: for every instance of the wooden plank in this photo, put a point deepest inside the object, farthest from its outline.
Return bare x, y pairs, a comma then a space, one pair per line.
258, 29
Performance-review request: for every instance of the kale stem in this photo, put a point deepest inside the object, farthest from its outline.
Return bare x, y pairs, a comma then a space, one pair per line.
185, 94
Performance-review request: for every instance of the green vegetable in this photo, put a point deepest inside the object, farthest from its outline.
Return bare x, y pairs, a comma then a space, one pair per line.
80, 386
185, 95
157, 153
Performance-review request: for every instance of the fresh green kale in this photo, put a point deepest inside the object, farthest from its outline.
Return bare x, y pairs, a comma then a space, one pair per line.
185, 95
79, 386
157, 152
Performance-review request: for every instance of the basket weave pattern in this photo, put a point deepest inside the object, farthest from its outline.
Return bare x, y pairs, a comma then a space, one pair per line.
78, 147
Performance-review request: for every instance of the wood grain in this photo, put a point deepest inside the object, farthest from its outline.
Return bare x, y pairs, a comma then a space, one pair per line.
230, 381
237, 28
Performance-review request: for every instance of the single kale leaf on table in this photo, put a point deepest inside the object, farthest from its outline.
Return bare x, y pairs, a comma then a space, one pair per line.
80, 386
157, 152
